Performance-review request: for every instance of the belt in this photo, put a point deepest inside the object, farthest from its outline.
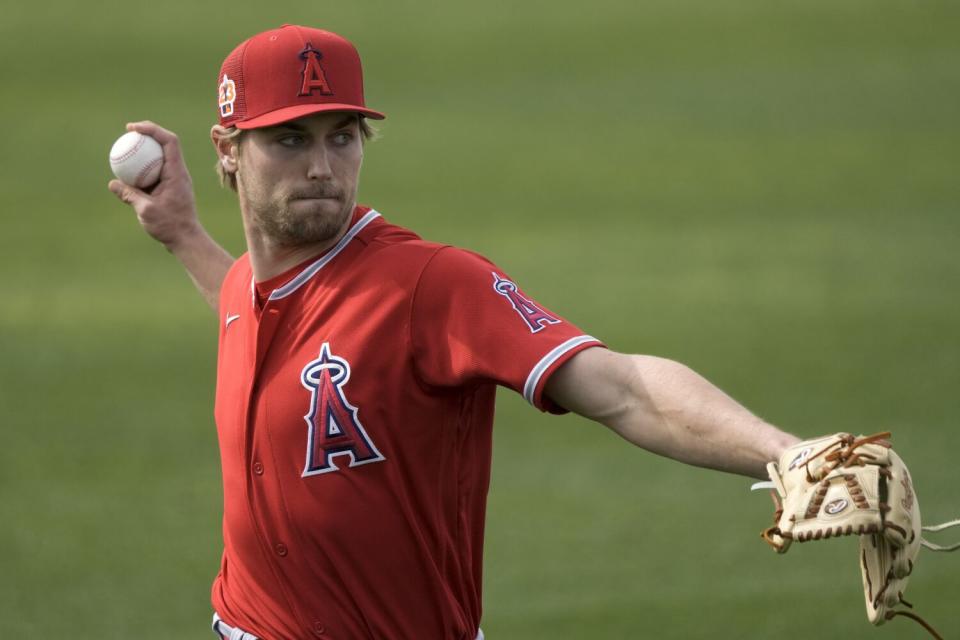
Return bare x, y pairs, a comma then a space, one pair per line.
227, 632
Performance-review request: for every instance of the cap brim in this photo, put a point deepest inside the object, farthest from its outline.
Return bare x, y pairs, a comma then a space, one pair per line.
292, 113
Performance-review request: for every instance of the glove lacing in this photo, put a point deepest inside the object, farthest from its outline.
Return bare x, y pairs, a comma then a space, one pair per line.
844, 454
932, 547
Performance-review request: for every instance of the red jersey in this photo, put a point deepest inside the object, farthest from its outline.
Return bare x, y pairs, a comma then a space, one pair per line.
354, 411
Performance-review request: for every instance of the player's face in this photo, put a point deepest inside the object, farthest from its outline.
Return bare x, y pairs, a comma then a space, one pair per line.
297, 181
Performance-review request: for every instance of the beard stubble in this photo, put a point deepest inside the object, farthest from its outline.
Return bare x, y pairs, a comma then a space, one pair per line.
286, 227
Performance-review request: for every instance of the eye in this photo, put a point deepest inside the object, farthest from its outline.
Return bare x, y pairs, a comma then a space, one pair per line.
291, 140
342, 138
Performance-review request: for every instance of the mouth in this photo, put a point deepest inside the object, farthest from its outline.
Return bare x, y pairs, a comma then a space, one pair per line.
317, 192
315, 197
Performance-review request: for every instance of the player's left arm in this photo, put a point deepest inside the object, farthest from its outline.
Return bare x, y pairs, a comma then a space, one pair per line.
667, 408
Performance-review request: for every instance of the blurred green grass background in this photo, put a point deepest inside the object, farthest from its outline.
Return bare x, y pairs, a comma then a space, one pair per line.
765, 191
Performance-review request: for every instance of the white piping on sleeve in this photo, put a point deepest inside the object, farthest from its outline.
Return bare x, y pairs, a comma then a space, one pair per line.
530, 387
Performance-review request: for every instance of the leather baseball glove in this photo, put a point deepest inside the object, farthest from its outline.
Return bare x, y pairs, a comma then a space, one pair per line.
843, 485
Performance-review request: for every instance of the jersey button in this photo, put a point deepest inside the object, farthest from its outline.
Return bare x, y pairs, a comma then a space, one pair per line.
258, 468
280, 548
318, 628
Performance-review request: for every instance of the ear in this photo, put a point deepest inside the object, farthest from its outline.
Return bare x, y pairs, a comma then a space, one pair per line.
227, 148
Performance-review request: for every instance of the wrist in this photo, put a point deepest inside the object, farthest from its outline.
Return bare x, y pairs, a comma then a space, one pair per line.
186, 238
780, 443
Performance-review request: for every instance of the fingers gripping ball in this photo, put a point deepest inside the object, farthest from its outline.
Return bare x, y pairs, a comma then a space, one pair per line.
136, 159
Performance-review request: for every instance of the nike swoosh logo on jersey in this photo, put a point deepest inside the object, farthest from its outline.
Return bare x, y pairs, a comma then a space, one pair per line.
229, 319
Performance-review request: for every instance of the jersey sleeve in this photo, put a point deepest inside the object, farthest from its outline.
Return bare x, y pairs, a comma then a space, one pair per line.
471, 323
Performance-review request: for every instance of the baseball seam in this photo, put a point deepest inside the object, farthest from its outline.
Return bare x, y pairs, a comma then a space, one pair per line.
130, 152
147, 169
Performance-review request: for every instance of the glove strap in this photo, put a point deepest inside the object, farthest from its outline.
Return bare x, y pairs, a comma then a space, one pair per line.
940, 527
921, 621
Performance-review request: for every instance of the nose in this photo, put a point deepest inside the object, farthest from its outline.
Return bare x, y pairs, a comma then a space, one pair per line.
319, 167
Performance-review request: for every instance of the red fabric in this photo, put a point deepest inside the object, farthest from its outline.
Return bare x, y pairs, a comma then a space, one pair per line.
288, 73
465, 332
382, 538
265, 288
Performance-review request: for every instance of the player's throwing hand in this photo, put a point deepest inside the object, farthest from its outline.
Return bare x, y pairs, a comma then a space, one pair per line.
166, 211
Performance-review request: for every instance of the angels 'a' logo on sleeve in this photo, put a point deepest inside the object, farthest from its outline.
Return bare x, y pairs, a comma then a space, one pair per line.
333, 427
535, 317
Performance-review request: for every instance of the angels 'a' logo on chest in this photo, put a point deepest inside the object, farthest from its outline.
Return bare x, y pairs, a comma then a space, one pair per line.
333, 426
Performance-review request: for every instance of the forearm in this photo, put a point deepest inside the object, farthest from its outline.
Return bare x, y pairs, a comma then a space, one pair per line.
206, 262
671, 410
664, 407
168, 213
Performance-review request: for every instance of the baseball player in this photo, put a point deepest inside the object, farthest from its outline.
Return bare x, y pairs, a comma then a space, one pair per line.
358, 364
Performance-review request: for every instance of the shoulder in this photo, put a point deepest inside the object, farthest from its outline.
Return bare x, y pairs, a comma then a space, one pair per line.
455, 278
389, 240
452, 268
400, 247
381, 233
448, 260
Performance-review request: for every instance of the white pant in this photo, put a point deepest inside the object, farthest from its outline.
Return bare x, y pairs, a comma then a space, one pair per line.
223, 630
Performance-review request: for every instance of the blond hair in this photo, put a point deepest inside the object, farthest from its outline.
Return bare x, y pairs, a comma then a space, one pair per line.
229, 179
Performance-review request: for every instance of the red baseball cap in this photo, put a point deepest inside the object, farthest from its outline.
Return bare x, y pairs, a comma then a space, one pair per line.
288, 73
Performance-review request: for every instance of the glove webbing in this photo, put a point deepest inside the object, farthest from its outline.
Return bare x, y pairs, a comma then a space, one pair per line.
846, 455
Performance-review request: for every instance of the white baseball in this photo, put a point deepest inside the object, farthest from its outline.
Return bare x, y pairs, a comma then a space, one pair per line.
136, 159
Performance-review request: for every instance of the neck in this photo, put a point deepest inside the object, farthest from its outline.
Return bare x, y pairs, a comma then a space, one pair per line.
269, 259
